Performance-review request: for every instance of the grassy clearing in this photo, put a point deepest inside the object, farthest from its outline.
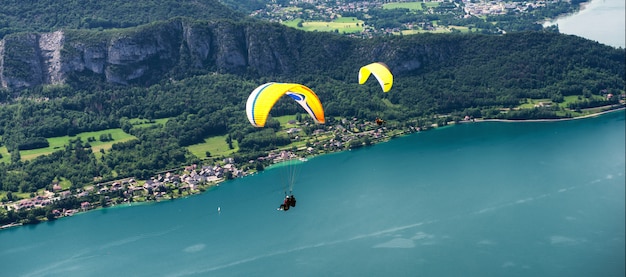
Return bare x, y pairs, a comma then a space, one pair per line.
64, 183
416, 6
6, 158
141, 123
403, 5
343, 25
292, 23
436, 31
439, 30
106, 146
58, 143
462, 29
217, 146
284, 120
531, 103
346, 20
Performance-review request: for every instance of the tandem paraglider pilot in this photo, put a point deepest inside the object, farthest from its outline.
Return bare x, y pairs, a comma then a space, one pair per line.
290, 201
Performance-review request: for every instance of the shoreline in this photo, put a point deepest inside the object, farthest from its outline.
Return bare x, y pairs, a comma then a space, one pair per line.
546, 120
212, 185
552, 21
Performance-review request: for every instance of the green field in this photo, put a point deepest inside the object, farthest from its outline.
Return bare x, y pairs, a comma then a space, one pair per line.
284, 120
530, 103
5, 155
409, 5
57, 143
565, 111
439, 29
217, 146
341, 25
413, 32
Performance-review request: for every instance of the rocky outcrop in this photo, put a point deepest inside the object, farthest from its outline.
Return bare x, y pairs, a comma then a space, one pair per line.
50, 56
148, 53
21, 61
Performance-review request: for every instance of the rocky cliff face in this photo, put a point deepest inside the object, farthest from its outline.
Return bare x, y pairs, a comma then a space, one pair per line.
145, 54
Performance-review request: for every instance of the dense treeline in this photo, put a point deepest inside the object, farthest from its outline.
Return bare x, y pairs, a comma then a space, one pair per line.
50, 15
33, 143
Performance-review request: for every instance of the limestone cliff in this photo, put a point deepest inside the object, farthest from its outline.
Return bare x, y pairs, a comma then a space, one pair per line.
148, 53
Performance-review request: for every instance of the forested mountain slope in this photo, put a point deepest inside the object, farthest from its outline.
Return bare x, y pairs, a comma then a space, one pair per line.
51, 15
198, 74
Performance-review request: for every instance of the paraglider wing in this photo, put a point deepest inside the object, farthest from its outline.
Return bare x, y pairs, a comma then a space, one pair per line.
380, 71
263, 98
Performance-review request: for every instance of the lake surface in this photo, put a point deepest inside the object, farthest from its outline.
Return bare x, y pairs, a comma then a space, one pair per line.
476, 199
601, 20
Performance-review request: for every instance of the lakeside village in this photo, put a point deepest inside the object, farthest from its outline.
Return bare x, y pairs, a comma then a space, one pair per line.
194, 179
343, 135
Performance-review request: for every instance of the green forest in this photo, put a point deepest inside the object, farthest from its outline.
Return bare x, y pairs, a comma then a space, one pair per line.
50, 15
483, 76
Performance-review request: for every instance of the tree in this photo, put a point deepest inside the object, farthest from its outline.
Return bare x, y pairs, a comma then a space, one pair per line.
557, 98
49, 215
229, 140
103, 201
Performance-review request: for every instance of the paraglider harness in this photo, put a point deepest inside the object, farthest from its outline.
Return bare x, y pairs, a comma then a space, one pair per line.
290, 201
379, 121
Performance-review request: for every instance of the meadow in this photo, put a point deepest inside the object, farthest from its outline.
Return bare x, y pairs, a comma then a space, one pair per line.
216, 146
409, 5
57, 143
530, 103
343, 25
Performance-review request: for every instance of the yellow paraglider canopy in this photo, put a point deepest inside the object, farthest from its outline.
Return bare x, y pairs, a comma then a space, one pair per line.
380, 71
263, 98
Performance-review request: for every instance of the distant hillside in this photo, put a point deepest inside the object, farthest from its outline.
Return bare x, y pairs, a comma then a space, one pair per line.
50, 15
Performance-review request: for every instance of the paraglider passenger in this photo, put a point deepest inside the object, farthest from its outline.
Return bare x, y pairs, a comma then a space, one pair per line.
285, 205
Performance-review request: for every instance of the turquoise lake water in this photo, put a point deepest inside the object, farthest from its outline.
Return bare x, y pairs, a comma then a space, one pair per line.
476, 199
603, 21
